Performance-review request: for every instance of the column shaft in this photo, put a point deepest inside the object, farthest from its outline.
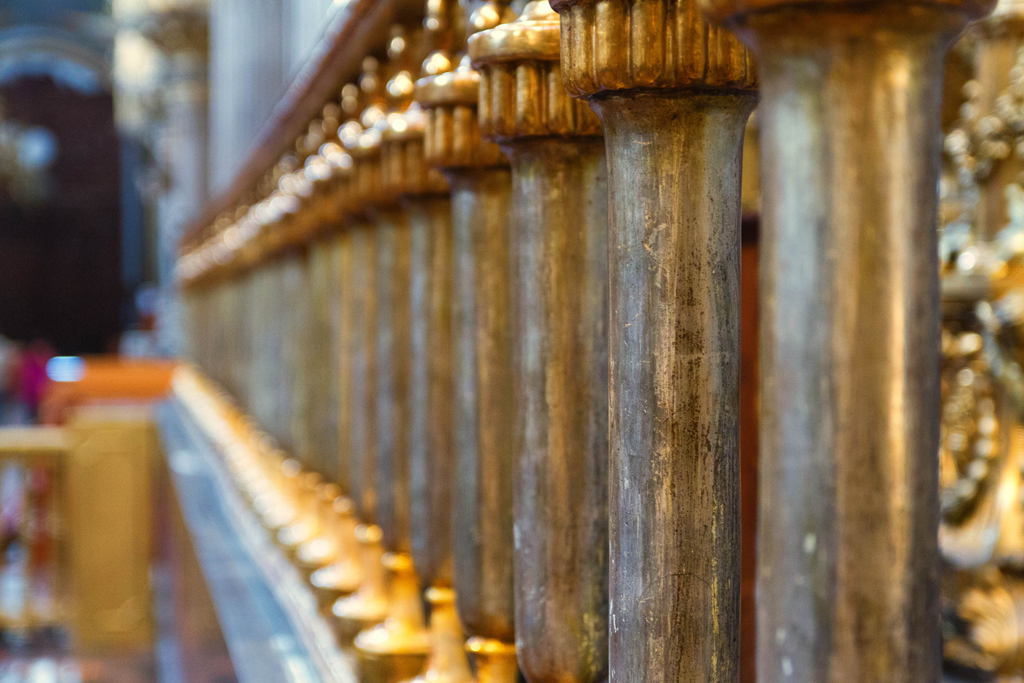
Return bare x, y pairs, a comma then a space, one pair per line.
484, 406
432, 456
363, 453
674, 240
847, 550
560, 286
394, 369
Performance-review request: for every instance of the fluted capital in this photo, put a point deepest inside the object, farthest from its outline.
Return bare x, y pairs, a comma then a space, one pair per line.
453, 139
461, 86
617, 45
735, 10
449, 99
521, 91
404, 166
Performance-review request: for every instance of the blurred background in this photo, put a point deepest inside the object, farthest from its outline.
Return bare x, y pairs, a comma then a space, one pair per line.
118, 119
107, 113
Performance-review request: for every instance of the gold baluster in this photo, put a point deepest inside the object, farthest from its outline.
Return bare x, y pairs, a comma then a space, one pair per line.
674, 96
847, 554
559, 243
481, 197
367, 606
395, 649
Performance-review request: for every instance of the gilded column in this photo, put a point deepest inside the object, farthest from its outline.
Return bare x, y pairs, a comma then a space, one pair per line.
367, 606
674, 96
396, 649
994, 160
426, 199
559, 249
331, 558
481, 197
847, 549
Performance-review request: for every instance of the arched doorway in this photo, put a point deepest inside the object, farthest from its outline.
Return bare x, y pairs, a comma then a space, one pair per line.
60, 194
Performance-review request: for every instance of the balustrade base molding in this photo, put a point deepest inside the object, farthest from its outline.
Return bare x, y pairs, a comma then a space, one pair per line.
368, 606
494, 660
674, 96
342, 576
848, 562
333, 582
320, 549
447, 661
396, 649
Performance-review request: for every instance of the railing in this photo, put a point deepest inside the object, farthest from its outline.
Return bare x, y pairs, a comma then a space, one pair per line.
520, 313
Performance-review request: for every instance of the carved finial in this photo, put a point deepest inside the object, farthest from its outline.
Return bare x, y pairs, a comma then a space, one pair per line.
445, 27
489, 14
351, 101
373, 94
404, 53
370, 81
521, 83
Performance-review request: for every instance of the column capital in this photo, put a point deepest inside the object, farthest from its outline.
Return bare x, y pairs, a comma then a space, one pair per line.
449, 100
521, 91
732, 11
622, 45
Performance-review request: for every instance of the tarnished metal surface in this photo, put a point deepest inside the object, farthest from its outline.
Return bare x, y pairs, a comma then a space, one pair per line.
393, 377
322, 359
674, 95
346, 343
363, 449
561, 364
482, 548
559, 251
295, 384
432, 456
847, 549
674, 384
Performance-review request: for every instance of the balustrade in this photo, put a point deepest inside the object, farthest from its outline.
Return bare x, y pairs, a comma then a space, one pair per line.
489, 320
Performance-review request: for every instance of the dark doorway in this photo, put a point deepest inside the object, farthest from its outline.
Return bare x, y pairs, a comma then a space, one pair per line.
60, 233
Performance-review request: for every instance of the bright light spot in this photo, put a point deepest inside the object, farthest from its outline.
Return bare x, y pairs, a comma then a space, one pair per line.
65, 369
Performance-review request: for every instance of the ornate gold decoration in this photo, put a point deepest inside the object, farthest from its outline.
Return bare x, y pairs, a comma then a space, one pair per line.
521, 91
981, 141
396, 649
612, 45
368, 606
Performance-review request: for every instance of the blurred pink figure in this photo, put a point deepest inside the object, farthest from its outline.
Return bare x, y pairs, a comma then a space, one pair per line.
32, 379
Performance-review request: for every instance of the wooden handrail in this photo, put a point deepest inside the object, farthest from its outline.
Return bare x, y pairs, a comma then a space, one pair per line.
359, 28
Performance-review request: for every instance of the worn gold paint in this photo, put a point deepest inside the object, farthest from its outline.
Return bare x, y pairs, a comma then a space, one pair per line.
673, 95
847, 557
481, 189
559, 251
